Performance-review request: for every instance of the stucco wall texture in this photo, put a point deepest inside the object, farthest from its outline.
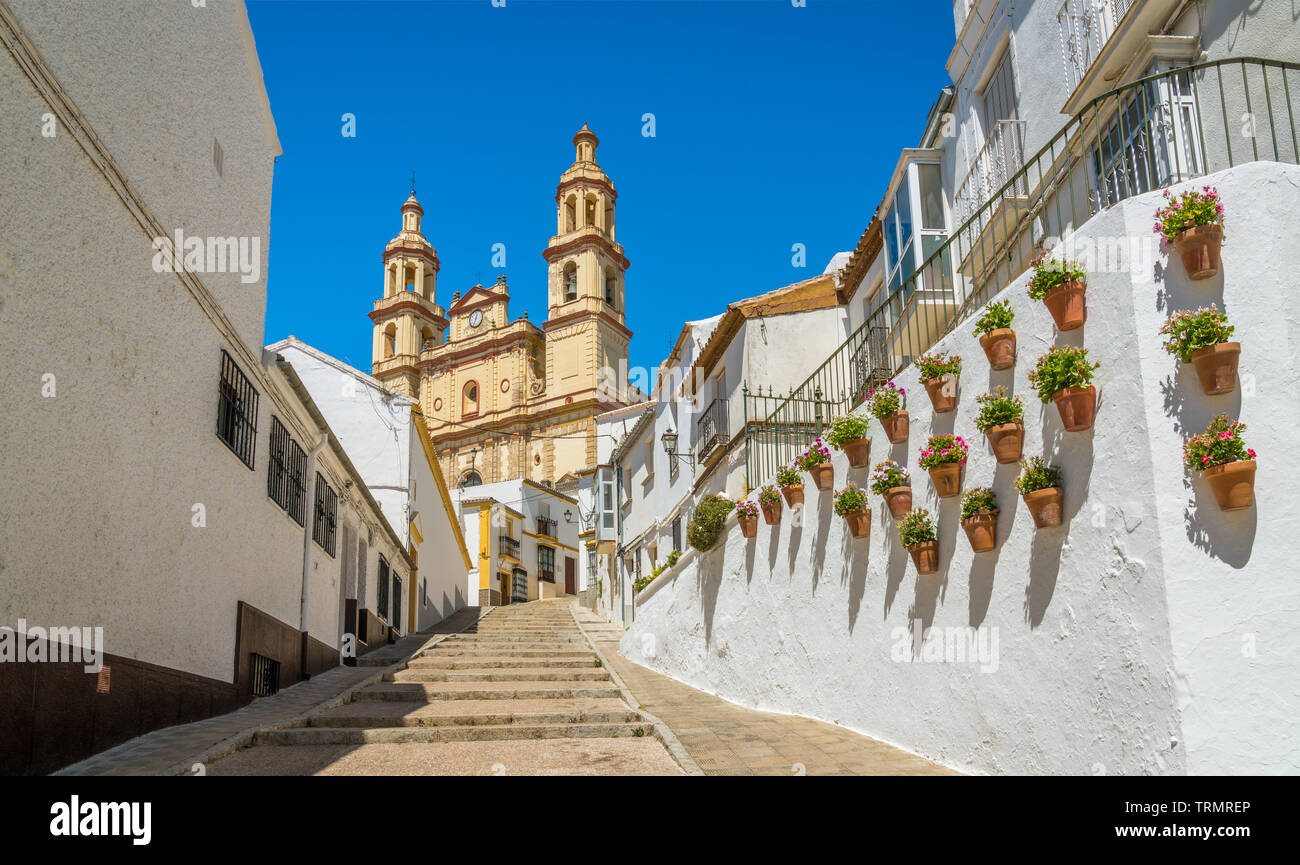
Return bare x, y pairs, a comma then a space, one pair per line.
1150, 634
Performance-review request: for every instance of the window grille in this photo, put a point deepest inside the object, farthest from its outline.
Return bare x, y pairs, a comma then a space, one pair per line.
382, 586
264, 675
237, 411
327, 502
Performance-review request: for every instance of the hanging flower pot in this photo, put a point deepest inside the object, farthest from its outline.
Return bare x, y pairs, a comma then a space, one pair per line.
1216, 367
894, 483
1200, 250
885, 404
851, 503
996, 336
1060, 286
916, 532
1064, 376
1193, 223
939, 375
1228, 465
979, 518
1040, 486
747, 516
896, 427
823, 476
817, 462
791, 484
769, 501
943, 457
851, 433
1077, 405
999, 419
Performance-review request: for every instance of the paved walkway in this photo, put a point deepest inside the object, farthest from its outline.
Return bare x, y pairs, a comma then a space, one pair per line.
726, 739
174, 750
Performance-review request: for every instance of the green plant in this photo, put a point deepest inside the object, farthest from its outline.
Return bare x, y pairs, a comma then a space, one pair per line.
746, 508
941, 449
978, 499
846, 428
1220, 444
915, 528
997, 315
851, 498
788, 476
707, 521
1062, 367
1050, 273
997, 408
1189, 209
1191, 331
816, 454
932, 366
673, 557
887, 475
1036, 474
768, 495
885, 400
598, 663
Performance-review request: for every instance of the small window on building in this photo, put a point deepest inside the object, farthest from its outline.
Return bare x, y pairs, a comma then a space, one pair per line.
237, 411
381, 601
327, 503
546, 564
263, 675
469, 400
570, 282
390, 341
609, 287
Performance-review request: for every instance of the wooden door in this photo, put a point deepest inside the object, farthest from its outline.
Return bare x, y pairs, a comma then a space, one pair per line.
570, 586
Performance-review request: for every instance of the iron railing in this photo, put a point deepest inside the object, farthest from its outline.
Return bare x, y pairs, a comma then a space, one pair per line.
711, 428
546, 526
1162, 129
994, 168
1086, 26
509, 546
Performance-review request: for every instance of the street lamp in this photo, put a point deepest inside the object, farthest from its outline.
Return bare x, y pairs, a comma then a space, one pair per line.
669, 439
568, 515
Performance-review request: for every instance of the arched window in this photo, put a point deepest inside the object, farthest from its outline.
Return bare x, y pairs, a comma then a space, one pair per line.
469, 399
390, 341
570, 281
570, 213
609, 286
589, 211
426, 338
471, 478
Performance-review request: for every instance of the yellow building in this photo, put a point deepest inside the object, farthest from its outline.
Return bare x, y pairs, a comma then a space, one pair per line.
504, 398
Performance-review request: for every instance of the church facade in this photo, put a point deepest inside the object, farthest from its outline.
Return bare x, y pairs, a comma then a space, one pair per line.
506, 398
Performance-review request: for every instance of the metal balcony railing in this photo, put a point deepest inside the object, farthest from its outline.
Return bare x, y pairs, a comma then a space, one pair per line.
1086, 26
1161, 129
711, 428
996, 167
546, 526
509, 546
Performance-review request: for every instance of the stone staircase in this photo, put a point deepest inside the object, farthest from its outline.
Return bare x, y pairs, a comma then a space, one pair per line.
523, 673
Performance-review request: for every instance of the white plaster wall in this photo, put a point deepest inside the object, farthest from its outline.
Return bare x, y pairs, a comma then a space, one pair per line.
1119, 633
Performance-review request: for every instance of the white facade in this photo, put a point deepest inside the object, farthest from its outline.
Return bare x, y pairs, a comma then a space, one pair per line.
384, 439
1150, 634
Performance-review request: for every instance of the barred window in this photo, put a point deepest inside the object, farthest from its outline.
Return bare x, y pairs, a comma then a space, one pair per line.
284, 482
397, 602
296, 463
382, 600
327, 502
546, 564
237, 411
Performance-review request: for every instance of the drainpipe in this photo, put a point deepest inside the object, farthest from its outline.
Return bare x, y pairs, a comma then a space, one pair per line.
309, 477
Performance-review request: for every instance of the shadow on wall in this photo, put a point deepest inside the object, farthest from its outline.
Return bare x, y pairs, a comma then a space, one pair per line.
1228, 536
711, 566
856, 557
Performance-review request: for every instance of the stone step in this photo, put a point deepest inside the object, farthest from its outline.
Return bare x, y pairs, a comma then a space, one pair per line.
424, 735
508, 716
433, 662
397, 709
508, 653
414, 692
512, 646
504, 640
531, 674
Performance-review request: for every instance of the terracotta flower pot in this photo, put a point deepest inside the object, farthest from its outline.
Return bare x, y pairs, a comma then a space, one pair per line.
772, 511
899, 500
999, 347
943, 393
946, 479
859, 523
859, 452
925, 556
748, 525
1216, 366
1007, 441
982, 530
896, 426
1233, 484
1077, 406
1067, 306
1199, 249
823, 476
793, 494
1045, 506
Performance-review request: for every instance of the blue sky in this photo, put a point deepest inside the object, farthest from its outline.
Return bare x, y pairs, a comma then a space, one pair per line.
775, 125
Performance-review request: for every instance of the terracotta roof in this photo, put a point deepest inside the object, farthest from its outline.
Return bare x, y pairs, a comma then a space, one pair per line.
868, 248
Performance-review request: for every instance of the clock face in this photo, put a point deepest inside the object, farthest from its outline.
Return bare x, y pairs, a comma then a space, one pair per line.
476, 318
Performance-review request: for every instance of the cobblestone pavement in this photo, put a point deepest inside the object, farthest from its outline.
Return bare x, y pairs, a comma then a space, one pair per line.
174, 750
723, 738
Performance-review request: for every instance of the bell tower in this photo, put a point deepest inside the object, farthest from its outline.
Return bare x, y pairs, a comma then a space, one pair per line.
587, 336
407, 318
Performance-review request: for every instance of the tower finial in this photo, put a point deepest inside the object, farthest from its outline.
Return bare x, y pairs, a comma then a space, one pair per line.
412, 181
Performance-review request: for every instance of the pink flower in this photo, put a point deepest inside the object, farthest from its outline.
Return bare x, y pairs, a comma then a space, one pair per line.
1251, 452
